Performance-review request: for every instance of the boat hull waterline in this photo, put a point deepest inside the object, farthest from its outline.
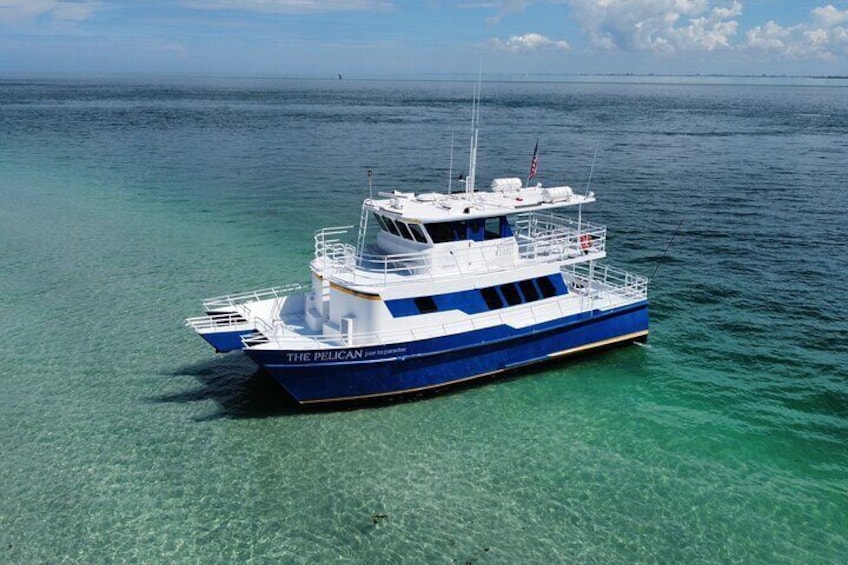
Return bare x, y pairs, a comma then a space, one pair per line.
356, 374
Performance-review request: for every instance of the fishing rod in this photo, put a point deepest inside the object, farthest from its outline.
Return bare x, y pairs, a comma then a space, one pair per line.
667, 247
592, 168
588, 184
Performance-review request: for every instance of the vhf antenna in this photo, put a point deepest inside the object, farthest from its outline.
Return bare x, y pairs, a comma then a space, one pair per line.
450, 168
667, 247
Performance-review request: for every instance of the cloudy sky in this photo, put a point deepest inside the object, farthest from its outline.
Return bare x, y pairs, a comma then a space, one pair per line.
409, 37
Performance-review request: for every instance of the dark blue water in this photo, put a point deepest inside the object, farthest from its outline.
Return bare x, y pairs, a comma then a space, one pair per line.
125, 202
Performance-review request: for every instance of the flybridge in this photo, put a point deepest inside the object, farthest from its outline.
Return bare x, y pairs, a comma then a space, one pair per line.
533, 240
504, 199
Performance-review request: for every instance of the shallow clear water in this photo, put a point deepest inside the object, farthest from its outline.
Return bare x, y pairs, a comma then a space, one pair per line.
124, 203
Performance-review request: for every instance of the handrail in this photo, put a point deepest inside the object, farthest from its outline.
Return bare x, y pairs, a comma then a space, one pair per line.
216, 321
402, 335
232, 300
616, 283
540, 238
606, 278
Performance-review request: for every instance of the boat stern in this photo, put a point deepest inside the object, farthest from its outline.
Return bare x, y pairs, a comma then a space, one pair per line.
224, 331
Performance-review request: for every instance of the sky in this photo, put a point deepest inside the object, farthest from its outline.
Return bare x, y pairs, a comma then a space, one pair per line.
383, 38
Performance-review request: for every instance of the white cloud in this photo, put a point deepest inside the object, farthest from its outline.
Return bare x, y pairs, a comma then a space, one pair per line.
506, 7
824, 38
657, 25
528, 42
769, 37
291, 6
828, 16
670, 26
59, 10
710, 32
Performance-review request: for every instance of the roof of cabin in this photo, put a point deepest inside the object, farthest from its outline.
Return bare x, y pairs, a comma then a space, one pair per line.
439, 207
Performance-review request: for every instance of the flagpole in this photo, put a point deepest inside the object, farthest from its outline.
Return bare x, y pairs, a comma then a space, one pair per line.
533, 163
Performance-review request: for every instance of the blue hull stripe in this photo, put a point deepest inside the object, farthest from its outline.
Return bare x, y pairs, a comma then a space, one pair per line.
354, 373
574, 350
271, 359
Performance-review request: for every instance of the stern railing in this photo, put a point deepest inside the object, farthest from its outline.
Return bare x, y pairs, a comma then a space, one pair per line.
232, 300
228, 320
588, 279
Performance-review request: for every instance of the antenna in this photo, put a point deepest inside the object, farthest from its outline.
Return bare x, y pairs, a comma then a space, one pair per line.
592, 168
667, 247
450, 168
475, 119
370, 188
588, 183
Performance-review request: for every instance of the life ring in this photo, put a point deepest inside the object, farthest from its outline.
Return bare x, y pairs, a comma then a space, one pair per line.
585, 242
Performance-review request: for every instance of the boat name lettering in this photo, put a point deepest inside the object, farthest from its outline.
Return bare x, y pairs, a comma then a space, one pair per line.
331, 355
385, 352
340, 355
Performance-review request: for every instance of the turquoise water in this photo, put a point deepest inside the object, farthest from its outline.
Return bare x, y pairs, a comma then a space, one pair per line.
126, 202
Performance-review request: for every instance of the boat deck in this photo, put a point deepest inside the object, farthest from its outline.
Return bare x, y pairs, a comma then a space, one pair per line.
604, 289
538, 239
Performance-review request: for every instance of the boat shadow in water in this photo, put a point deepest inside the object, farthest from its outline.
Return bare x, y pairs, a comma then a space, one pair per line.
243, 391
237, 387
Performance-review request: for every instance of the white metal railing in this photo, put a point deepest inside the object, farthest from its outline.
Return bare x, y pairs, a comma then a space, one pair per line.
552, 237
276, 331
232, 300
531, 312
216, 321
590, 280
607, 281
539, 238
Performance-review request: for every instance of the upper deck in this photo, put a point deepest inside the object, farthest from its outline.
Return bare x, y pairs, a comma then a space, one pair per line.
538, 238
436, 236
507, 197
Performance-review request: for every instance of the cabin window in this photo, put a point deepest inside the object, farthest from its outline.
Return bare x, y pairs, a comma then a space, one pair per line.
426, 304
493, 228
391, 227
492, 298
443, 232
417, 233
476, 229
546, 286
460, 231
510, 293
404, 230
528, 289
381, 221
440, 232
506, 228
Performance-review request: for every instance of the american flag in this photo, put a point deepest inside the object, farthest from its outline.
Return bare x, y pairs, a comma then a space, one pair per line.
535, 162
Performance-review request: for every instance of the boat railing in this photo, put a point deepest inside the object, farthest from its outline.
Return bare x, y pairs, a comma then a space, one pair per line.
545, 237
284, 338
580, 278
267, 330
591, 280
232, 300
225, 321
539, 238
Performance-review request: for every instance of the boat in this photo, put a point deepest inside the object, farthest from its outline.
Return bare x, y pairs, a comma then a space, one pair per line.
435, 289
